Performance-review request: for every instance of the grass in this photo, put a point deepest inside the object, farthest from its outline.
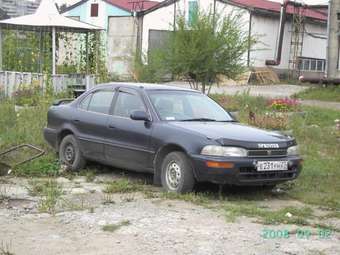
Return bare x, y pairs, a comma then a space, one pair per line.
49, 191
331, 93
26, 127
4, 193
298, 216
88, 173
195, 198
333, 215
319, 180
115, 227
123, 186
315, 133
76, 204
5, 249
108, 199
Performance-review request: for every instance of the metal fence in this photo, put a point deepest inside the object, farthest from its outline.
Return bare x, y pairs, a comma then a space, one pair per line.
11, 81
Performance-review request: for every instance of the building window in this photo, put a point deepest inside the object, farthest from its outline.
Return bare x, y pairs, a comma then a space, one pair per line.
193, 11
94, 10
312, 64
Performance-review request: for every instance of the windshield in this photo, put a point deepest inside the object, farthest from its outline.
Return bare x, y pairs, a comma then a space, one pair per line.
187, 106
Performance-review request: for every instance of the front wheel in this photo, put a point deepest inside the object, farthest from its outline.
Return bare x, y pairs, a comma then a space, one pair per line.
177, 173
70, 154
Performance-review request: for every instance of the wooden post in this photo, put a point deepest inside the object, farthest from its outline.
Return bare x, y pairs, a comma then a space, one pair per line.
54, 51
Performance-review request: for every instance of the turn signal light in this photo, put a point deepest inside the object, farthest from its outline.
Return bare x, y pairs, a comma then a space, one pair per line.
215, 164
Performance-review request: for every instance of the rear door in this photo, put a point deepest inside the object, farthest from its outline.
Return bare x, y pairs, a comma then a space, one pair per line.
91, 122
129, 139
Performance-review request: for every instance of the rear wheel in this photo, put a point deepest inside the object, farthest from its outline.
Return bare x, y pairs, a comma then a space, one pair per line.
70, 154
177, 173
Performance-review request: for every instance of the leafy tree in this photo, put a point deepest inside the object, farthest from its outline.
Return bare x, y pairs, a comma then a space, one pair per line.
206, 47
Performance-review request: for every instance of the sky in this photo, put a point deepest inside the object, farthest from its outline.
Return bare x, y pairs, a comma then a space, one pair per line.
69, 2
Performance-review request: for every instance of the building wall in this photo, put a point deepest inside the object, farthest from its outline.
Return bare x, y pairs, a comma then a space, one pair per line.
266, 30
122, 39
119, 35
105, 10
163, 18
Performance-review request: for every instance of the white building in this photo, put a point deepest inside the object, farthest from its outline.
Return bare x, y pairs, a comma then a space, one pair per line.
261, 18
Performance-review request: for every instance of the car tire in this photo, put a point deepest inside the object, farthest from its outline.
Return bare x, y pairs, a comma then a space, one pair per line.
177, 173
70, 154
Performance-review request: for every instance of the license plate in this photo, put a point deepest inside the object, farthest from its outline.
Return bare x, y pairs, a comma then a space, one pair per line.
272, 165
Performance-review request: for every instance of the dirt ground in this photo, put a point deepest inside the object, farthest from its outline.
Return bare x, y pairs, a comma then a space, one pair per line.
155, 225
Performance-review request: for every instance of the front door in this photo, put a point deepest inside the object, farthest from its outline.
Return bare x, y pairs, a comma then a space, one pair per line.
129, 145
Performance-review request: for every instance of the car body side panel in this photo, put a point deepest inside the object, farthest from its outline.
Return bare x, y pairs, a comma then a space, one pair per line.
129, 144
91, 132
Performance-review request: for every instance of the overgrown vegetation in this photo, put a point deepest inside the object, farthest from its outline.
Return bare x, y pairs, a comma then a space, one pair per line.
286, 215
5, 249
318, 139
123, 186
195, 198
200, 51
49, 191
330, 93
30, 51
23, 127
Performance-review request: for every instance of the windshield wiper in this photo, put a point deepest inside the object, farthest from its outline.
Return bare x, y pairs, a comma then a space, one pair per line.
199, 119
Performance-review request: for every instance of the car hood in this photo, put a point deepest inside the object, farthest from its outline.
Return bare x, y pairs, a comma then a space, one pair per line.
233, 133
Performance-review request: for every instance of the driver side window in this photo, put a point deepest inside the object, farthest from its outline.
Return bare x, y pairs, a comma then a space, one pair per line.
128, 103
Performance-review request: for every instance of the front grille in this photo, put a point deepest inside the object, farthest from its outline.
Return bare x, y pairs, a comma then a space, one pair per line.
267, 153
250, 173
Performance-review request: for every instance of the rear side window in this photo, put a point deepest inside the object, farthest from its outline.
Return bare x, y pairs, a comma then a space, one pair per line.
84, 105
101, 102
128, 103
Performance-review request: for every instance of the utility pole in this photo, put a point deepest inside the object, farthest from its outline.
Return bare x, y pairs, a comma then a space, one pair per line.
333, 40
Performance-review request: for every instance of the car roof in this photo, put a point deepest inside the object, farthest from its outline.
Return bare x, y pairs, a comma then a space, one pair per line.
145, 86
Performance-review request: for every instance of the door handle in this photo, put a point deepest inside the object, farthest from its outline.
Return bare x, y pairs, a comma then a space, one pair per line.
112, 127
77, 121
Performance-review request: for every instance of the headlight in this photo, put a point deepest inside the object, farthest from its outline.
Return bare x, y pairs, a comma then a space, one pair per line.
221, 151
293, 151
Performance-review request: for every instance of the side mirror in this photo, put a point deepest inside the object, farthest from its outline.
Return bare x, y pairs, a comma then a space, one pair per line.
139, 115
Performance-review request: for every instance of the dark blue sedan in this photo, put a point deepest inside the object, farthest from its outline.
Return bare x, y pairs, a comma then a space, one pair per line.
179, 135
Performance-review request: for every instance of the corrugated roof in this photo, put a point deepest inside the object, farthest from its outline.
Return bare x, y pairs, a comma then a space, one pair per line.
129, 5
315, 13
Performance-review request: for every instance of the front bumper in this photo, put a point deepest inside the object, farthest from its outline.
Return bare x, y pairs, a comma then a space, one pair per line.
244, 171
